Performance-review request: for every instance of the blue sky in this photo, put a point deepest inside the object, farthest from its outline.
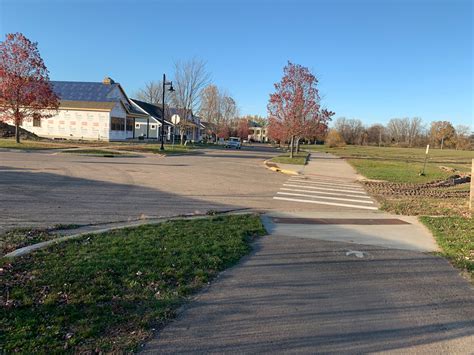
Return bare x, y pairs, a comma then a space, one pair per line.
375, 59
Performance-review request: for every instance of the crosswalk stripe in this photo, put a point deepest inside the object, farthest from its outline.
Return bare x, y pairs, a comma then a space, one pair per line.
325, 183
325, 193
324, 197
325, 189
325, 203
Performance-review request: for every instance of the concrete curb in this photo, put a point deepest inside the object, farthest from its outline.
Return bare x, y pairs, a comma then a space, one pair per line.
30, 248
277, 169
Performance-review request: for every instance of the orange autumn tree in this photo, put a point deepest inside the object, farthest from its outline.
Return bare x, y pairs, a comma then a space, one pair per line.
25, 90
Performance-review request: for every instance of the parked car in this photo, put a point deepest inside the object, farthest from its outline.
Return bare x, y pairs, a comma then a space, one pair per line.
233, 142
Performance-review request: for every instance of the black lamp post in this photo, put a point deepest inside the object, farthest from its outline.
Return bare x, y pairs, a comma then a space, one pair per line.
165, 83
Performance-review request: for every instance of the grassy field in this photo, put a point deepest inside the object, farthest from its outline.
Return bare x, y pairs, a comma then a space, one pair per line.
399, 168
455, 236
298, 158
401, 164
105, 293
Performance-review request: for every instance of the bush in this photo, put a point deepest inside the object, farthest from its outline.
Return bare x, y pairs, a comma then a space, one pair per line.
334, 139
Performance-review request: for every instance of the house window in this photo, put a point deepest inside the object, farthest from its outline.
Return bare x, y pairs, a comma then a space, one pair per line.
117, 124
36, 122
137, 125
129, 124
153, 126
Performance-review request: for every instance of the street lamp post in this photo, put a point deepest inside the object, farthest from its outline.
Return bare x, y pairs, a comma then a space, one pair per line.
165, 83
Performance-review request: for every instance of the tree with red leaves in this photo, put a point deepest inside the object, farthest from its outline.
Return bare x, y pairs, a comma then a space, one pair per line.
242, 129
294, 110
25, 90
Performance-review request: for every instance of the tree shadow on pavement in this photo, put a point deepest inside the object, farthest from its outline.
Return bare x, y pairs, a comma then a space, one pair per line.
44, 198
304, 295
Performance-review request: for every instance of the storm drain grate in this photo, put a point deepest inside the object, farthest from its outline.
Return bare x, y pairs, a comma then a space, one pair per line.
357, 221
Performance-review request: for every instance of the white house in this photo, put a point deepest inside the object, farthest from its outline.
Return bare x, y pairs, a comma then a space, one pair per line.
89, 111
192, 127
257, 132
150, 126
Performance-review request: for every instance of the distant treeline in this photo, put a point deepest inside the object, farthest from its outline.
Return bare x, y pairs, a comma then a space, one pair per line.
402, 132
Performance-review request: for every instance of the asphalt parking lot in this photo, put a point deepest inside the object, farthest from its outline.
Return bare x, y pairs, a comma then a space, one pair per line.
41, 188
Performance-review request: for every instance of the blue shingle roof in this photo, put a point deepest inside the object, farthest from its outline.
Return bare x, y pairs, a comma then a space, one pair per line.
84, 91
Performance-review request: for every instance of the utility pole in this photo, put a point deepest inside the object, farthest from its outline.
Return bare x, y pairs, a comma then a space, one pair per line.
165, 83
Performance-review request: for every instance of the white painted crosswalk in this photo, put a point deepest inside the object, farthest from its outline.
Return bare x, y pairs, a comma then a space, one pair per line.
325, 191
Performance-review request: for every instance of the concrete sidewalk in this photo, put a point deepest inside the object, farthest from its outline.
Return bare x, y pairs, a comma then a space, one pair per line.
350, 281
406, 232
299, 295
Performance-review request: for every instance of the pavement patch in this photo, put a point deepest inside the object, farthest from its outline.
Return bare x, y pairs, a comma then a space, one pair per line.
353, 221
356, 253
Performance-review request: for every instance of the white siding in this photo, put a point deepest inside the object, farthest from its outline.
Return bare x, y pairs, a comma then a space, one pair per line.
73, 124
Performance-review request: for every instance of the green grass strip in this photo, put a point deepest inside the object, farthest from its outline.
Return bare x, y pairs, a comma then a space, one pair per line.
455, 236
105, 292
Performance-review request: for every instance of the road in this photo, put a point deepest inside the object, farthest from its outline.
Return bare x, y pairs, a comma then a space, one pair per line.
47, 187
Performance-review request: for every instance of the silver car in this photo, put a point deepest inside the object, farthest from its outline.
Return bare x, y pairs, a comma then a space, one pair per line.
233, 142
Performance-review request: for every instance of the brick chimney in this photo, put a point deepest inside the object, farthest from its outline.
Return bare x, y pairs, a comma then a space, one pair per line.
108, 81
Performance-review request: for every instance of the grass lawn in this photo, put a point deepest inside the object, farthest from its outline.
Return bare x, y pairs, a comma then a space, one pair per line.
97, 152
34, 145
298, 158
455, 236
397, 171
400, 167
106, 292
401, 164
22, 237
155, 148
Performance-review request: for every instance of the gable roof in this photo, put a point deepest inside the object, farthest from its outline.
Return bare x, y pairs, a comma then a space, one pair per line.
84, 91
81, 94
152, 110
254, 124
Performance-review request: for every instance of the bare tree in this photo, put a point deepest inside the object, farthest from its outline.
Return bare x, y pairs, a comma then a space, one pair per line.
228, 108
398, 129
190, 78
463, 140
151, 92
405, 131
415, 128
210, 109
351, 130
376, 134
